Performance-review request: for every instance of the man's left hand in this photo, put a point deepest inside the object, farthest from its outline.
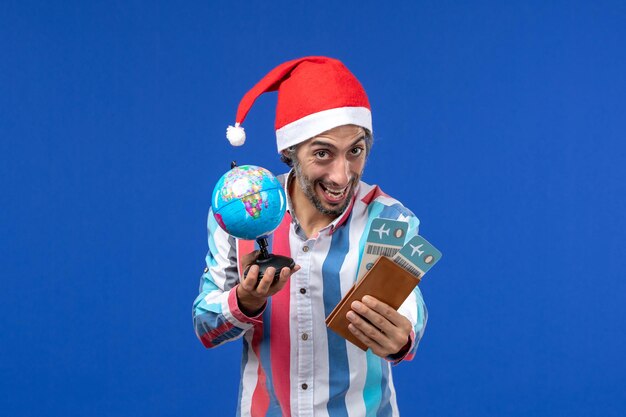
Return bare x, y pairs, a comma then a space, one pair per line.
387, 331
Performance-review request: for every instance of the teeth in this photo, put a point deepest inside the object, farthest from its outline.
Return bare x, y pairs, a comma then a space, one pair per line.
334, 193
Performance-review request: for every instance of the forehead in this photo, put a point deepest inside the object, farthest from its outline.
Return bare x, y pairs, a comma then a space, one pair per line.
339, 136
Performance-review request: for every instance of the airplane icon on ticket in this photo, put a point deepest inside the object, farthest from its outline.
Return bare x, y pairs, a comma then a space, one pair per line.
382, 231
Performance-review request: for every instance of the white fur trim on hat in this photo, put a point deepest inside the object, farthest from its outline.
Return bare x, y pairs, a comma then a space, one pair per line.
316, 123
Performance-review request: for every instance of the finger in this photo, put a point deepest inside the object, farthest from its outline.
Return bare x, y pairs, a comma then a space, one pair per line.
394, 325
363, 337
367, 329
360, 335
384, 310
249, 283
266, 281
285, 273
376, 319
282, 280
376, 348
283, 277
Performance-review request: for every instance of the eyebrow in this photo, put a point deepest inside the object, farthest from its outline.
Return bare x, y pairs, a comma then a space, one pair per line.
319, 142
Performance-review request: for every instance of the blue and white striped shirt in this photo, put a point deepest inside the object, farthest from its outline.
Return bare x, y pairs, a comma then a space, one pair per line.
292, 365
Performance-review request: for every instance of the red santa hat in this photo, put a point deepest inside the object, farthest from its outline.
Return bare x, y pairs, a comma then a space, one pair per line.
315, 94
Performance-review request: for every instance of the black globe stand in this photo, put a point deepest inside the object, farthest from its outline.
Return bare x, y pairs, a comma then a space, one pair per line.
267, 260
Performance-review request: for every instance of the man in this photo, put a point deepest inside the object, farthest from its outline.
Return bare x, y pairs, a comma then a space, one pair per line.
292, 364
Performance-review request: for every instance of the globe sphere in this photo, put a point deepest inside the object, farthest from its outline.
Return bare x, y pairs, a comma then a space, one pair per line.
248, 202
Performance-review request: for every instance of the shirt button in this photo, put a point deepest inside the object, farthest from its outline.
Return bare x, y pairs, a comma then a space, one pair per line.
305, 336
302, 290
305, 249
206, 269
305, 386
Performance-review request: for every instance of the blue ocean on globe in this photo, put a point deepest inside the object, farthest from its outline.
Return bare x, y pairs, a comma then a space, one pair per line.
248, 202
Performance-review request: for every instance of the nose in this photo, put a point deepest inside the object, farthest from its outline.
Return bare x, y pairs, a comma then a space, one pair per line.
339, 172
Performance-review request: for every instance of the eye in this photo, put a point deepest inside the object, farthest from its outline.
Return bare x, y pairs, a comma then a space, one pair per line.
356, 151
321, 154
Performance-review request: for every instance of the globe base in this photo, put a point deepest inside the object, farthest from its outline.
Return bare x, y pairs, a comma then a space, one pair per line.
276, 261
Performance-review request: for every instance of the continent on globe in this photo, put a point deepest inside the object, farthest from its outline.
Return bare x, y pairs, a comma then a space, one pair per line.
245, 183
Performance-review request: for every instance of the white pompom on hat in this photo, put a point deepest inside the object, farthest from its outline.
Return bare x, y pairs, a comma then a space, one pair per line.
315, 94
236, 135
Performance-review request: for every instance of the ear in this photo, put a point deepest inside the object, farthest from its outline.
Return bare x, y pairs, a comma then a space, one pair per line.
287, 156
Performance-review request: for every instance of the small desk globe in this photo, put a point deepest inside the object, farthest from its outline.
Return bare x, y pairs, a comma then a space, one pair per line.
249, 203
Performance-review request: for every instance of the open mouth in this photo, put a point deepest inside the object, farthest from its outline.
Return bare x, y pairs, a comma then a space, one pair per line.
333, 195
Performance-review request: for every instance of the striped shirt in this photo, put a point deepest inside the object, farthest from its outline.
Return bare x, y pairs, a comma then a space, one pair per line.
292, 365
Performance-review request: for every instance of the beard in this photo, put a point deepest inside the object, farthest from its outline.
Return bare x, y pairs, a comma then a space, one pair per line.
308, 188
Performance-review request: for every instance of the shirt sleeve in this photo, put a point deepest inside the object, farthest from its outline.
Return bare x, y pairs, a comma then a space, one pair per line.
413, 307
216, 315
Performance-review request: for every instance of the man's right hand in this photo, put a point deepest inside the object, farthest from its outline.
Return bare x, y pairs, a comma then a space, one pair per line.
252, 297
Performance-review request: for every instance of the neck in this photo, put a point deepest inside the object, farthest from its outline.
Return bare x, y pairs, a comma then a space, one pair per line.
310, 218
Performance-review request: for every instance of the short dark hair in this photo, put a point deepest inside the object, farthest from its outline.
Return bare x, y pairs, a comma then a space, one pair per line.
288, 155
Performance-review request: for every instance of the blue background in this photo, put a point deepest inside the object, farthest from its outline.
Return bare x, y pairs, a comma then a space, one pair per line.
500, 124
